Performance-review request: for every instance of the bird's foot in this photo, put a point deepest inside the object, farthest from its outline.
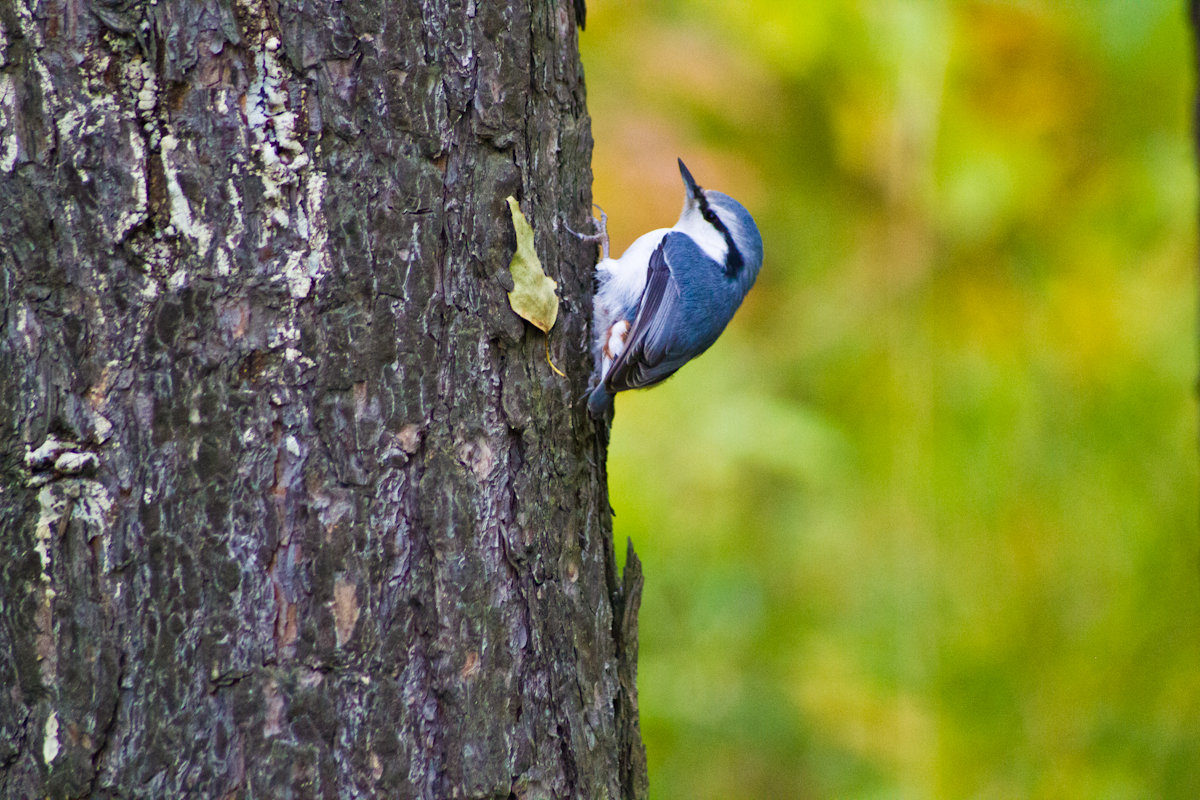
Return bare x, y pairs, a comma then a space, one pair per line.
600, 236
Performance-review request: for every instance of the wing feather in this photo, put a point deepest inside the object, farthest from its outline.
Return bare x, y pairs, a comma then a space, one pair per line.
651, 352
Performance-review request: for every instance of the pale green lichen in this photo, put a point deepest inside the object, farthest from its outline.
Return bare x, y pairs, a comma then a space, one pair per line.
10, 143
181, 211
292, 188
50, 745
131, 217
272, 130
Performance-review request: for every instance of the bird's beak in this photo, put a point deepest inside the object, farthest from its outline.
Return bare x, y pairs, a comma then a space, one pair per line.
693, 188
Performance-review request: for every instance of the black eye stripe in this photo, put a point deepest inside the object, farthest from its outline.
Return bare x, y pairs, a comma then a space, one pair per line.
733, 257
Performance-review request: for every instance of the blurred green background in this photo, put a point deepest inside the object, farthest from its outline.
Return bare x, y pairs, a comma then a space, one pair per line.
924, 522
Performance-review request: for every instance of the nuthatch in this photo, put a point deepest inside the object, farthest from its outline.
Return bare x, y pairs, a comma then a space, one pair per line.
669, 296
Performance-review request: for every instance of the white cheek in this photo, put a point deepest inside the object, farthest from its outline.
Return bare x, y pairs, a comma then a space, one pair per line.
706, 236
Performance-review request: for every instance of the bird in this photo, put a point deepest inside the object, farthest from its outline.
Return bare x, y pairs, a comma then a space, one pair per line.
671, 293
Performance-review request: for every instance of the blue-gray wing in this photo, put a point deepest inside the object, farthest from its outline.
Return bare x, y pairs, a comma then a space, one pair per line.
665, 335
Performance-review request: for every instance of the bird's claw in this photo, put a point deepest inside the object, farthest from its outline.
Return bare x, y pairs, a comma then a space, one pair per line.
601, 236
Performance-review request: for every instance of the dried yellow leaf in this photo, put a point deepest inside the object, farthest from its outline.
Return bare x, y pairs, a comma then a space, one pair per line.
533, 296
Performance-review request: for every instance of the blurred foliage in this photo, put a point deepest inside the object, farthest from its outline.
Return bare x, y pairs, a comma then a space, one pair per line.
924, 522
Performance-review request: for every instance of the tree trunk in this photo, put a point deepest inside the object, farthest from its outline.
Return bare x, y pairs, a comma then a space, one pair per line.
293, 504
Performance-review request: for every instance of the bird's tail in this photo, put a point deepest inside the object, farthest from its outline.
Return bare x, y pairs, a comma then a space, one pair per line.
599, 402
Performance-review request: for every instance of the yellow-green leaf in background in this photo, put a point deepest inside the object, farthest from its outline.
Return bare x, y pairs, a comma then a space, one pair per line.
533, 295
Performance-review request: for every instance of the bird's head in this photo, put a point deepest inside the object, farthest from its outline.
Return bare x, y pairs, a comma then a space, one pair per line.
722, 227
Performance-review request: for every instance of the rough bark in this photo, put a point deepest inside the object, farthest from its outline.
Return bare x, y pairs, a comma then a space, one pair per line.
292, 503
